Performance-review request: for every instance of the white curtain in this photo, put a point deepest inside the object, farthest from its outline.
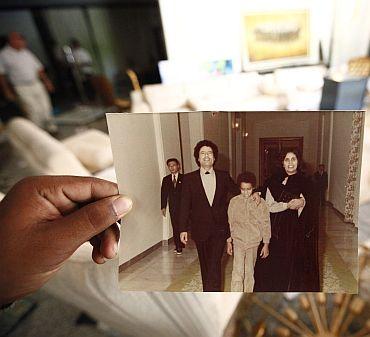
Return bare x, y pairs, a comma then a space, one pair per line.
351, 31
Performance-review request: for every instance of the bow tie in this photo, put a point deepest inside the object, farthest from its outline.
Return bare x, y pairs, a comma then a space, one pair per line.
207, 173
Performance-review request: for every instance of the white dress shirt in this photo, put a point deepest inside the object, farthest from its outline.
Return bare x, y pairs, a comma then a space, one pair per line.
209, 183
21, 66
176, 176
83, 58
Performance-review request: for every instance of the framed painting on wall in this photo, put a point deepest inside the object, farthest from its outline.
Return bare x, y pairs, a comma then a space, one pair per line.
278, 38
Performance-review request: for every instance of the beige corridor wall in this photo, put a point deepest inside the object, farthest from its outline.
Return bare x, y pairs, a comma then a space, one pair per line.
326, 140
216, 129
170, 137
186, 149
196, 133
167, 138
136, 163
342, 129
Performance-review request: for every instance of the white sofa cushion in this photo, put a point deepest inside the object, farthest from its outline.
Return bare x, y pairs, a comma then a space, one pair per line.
304, 100
257, 103
233, 87
268, 85
165, 97
92, 148
45, 154
310, 78
243, 86
138, 104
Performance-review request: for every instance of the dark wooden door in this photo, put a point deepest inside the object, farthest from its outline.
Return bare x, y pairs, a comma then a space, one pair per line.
270, 153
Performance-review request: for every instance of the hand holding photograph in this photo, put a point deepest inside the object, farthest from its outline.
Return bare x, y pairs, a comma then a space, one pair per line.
239, 201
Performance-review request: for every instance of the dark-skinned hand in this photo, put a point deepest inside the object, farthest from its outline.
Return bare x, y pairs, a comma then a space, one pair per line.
43, 220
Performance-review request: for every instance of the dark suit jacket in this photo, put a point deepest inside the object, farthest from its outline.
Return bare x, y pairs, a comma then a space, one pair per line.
195, 210
171, 194
321, 180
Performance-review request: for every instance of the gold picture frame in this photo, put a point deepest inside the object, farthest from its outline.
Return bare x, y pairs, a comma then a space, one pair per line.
276, 36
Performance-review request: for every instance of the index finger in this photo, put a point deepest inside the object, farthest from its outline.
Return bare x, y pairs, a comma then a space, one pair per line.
66, 192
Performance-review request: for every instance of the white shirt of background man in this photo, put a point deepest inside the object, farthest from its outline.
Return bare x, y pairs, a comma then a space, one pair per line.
83, 58
21, 66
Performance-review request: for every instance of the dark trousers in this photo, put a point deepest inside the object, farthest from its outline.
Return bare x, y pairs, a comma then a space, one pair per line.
322, 197
210, 254
176, 233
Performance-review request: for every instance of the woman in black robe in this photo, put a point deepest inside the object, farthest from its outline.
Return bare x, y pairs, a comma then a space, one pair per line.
293, 261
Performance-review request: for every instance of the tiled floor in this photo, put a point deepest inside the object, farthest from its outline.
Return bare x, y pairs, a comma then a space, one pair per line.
339, 259
159, 269
163, 270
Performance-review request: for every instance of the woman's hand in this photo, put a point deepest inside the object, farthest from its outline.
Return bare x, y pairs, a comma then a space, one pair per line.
296, 203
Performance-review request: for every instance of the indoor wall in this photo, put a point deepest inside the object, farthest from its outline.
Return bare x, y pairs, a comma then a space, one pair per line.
215, 32
143, 144
187, 154
168, 146
216, 129
22, 21
124, 37
136, 163
117, 36
282, 124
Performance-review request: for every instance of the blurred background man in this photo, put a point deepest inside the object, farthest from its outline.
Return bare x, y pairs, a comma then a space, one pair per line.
22, 77
171, 193
321, 183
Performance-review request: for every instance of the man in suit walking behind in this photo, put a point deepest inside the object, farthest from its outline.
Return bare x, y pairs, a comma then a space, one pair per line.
321, 183
204, 201
171, 193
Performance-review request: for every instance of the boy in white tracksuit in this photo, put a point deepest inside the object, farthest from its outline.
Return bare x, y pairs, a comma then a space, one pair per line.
249, 224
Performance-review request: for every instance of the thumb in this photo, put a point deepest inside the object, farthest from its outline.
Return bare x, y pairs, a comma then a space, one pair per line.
81, 225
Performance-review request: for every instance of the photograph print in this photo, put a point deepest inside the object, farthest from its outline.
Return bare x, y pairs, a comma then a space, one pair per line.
239, 201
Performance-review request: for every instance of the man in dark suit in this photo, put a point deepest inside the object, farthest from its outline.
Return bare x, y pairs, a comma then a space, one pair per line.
204, 201
171, 193
321, 183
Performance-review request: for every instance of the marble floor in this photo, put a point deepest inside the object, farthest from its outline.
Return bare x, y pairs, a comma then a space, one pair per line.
162, 270
338, 242
158, 270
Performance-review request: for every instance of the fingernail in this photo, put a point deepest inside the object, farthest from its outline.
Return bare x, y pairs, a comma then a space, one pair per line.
122, 205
